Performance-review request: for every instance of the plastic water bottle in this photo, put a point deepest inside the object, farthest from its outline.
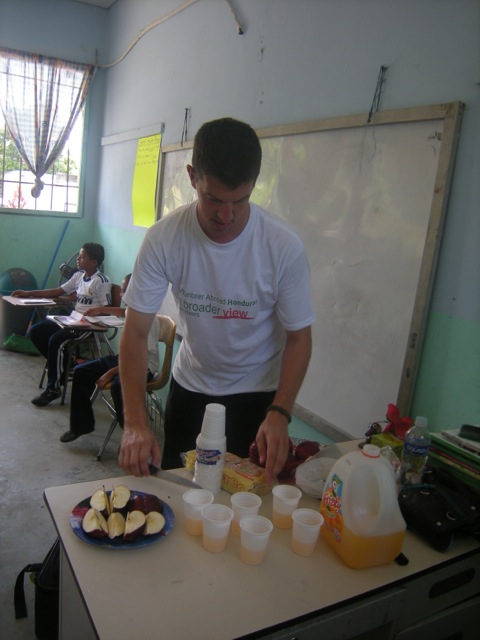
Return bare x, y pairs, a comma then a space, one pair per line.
415, 451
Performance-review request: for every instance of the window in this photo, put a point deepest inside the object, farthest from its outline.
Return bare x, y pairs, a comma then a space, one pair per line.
42, 121
62, 181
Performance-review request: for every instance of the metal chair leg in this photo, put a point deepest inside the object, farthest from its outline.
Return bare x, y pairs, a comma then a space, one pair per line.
44, 373
107, 438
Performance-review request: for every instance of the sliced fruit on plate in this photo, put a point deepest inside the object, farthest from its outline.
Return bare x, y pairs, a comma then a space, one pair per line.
115, 525
119, 497
94, 524
154, 523
134, 525
152, 503
100, 502
145, 503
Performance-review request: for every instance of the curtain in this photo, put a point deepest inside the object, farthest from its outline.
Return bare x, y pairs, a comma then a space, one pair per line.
40, 99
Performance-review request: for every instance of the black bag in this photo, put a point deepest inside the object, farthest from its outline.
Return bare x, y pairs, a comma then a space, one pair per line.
46, 577
438, 508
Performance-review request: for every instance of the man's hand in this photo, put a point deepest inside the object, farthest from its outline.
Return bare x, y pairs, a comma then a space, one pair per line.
272, 442
138, 447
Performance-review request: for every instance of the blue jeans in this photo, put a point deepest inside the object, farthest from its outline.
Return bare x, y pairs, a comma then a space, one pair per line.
82, 418
50, 340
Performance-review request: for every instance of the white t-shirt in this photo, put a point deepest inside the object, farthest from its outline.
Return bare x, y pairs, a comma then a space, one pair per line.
93, 291
234, 300
152, 341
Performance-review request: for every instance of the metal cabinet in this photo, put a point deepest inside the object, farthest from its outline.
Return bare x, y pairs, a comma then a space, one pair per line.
441, 604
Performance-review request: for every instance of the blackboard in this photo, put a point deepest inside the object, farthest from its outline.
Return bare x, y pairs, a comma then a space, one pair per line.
369, 201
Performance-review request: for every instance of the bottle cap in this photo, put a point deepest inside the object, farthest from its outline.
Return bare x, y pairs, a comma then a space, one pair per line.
421, 421
371, 451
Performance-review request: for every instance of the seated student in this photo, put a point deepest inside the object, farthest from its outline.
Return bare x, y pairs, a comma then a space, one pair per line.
92, 289
100, 372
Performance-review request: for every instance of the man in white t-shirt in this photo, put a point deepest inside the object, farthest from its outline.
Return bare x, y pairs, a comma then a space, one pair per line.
91, 288
241, 282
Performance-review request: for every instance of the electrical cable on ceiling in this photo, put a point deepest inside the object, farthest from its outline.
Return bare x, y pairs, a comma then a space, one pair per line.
185, 127
378, 92
241, 30
166, 17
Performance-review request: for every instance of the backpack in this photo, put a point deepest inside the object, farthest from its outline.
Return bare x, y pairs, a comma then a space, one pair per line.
46, 577
438, 508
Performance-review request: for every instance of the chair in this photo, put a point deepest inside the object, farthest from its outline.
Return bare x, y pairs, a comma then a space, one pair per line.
88, 348
153, 404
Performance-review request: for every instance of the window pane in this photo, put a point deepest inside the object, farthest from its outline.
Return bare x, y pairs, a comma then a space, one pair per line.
62, 182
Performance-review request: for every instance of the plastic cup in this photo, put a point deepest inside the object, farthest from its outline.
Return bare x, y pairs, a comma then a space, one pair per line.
193, 502
306, 527
244, 503
285, 501
216, 519
213, 425
254, 537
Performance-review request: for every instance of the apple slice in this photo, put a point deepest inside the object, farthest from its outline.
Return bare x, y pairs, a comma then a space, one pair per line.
94, 524
115, 525
152, 503
119, 498
100, 502
134, 525
154, 523
145, 503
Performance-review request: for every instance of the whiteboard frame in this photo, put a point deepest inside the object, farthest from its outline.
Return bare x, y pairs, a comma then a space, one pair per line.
450, 114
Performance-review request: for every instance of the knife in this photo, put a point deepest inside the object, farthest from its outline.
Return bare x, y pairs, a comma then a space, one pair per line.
171, 477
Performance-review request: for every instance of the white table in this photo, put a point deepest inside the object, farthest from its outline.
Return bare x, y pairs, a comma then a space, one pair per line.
175, 590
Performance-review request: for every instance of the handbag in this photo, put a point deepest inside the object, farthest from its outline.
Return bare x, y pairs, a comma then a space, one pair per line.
46, 577
438, 508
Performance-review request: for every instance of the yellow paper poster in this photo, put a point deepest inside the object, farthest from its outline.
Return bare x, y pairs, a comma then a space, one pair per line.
145, 180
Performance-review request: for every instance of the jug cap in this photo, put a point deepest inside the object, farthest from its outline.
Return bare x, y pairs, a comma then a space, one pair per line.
371, 451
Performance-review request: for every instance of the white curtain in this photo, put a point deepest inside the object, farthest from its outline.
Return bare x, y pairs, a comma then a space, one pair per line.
40, 99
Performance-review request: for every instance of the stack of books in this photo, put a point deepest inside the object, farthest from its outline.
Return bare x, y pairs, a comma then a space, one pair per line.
456, 455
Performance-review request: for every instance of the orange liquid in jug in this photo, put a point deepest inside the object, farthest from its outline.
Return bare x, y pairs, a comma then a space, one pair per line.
360, 552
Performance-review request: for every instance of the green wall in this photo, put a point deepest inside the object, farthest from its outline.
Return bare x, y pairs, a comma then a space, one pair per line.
447, 385
30, 242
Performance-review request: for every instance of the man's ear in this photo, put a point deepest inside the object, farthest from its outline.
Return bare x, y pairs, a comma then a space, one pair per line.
192, 176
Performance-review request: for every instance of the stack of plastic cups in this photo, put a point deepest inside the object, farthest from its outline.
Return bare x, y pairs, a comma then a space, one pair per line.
211, 449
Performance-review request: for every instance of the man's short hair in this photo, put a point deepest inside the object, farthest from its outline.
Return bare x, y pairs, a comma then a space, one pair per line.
95, 252
228, 150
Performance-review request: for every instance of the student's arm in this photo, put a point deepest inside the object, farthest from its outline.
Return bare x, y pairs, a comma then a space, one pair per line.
39, 293
107, 377
106, 311
139, 445
272, 436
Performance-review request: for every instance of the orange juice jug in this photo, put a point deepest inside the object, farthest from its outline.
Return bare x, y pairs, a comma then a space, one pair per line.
363, 522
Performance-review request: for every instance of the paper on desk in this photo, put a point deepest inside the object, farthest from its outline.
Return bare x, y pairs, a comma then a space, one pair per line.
75, 319
29, 301
78, 319
110, 321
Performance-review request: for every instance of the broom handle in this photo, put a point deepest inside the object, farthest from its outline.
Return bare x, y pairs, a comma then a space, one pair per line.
55, 254
50, 267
